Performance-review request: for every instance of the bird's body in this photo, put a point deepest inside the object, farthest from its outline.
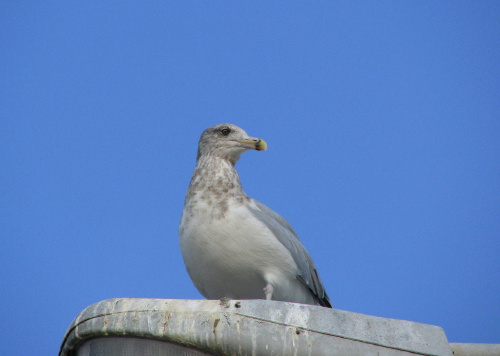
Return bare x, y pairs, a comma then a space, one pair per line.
234, 246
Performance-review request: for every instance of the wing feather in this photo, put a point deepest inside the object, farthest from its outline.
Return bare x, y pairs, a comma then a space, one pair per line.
308, 274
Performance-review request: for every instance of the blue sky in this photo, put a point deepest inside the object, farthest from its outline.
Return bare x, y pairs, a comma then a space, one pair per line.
383, 125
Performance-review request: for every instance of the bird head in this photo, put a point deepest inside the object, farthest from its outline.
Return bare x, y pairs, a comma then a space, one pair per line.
227, 141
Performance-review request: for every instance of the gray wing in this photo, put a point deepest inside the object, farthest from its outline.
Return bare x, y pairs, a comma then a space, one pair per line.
288, 238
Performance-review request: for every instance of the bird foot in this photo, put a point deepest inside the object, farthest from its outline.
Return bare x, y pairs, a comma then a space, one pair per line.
225, 302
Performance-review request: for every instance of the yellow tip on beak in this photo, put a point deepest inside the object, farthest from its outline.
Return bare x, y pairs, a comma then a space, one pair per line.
261, 145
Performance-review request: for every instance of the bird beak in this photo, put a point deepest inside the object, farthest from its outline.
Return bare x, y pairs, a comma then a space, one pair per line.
254, 143
261, 145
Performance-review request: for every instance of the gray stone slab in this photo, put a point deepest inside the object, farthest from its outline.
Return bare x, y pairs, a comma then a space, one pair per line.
462, 349
254, 327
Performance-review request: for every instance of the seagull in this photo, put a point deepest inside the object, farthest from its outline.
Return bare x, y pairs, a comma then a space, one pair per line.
234, 246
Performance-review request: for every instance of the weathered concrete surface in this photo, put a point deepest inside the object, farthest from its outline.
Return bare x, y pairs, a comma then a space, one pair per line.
127, 346
254, 327
475, 349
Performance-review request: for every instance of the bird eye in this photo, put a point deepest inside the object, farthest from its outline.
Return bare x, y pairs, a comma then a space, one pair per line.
225, 131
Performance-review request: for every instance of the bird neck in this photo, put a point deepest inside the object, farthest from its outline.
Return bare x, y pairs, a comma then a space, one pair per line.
216, 177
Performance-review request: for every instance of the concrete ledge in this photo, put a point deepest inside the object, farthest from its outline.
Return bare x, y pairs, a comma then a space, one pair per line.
253, 327
475, 349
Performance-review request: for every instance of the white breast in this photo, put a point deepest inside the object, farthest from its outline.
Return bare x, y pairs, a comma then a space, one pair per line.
236, 256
